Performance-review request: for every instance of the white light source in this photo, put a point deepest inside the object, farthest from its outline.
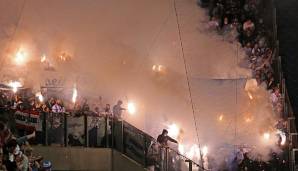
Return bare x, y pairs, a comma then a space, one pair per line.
43, 58
173, 130
181, 149
282, 136
20, 57
131, 108
15, 85
204, 150
74, 94
266, 136
39, 96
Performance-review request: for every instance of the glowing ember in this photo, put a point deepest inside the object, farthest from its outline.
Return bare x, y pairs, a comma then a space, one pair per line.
40, 97
131, 108
154, 67
174, 130
160, 67
157, 68
266, 136
220, 118
205, 151
20, 57
43, 58
250, 95
248, 119
15, 85
74, 94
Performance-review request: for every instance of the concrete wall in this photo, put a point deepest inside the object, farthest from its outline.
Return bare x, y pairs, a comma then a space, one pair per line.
79, 158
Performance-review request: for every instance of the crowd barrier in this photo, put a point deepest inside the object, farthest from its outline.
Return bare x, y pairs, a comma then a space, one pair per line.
65, 129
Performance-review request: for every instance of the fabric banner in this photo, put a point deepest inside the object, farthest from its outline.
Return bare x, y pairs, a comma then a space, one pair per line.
27, 119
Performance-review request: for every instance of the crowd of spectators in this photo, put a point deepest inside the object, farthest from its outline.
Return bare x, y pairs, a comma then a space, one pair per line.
243, 20
17, 154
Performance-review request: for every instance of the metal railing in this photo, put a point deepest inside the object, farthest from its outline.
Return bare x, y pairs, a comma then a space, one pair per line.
65, 129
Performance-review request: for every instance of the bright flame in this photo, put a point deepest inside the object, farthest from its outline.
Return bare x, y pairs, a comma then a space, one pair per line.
43, 58
74, 94
40, 97
157, 68
205, 151
174, 130
181, 149
220, 118
131, 108
193, 152
20, 57
250, 95
15, 85
160, 67
266, 136
282, 136
154, 67
248, 119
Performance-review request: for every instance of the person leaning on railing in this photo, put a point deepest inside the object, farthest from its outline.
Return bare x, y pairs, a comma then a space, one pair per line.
163, 138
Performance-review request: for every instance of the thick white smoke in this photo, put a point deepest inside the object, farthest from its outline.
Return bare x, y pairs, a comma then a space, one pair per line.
113, 46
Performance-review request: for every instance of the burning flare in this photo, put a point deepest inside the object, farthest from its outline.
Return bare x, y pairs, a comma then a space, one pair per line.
74, 94
174, 130
266, 136
250, 95
39, 96
282, 136
43, 58
15, 85
220, 117
204, 151
131, 108
20, 57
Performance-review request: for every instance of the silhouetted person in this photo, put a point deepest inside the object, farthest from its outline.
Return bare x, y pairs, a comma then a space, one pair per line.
117, 110
163, 138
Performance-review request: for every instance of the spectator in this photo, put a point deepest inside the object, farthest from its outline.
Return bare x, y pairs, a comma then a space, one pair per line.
117, 110
163, 138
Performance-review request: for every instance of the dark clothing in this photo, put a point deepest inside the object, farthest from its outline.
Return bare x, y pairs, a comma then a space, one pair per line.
163, 140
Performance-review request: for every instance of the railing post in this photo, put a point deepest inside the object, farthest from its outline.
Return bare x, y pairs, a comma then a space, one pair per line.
106, 131
146, 150
122, 136
189, 164
65, 130
86, 131
167, 159
44, 128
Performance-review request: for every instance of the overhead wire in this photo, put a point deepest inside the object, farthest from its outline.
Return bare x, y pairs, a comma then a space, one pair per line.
188, 82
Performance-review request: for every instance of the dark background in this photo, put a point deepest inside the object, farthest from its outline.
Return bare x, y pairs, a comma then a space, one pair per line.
287, 23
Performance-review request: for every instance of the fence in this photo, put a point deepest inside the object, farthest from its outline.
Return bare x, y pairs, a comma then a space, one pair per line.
63, 129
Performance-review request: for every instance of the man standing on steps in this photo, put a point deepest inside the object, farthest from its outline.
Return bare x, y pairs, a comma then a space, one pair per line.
163, 138
117, 110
